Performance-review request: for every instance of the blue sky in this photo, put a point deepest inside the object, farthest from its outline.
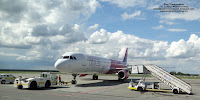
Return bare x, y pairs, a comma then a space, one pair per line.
141, 26
34, 34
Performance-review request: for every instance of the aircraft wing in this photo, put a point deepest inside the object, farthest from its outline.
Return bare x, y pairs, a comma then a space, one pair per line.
116, 70
123, 68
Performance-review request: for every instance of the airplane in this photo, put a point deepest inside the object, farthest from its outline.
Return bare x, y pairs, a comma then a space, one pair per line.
83, 64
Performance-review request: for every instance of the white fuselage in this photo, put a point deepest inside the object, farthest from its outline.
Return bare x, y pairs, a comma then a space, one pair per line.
74, 62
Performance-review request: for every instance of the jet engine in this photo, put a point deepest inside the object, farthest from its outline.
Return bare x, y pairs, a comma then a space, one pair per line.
123, 74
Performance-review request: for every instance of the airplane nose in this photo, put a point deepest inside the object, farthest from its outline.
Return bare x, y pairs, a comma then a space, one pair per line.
62, 64
59, 64
56, 65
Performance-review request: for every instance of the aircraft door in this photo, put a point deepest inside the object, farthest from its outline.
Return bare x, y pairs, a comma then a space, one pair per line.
85, 66
83, 61
103, 65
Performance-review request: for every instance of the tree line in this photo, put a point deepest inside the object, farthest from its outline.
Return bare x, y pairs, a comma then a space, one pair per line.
178, 73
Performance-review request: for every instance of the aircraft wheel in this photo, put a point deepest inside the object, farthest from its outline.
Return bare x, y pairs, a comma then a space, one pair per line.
47, 84
74, 81
19, 86
140, 89
33, 85
3, 82
175, 91
95, 77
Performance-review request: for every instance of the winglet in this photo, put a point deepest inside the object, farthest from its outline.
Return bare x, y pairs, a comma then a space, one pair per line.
125, 56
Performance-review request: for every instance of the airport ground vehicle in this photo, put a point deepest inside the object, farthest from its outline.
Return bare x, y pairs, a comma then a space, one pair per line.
7, 78
176, 85
45, 80
146, 86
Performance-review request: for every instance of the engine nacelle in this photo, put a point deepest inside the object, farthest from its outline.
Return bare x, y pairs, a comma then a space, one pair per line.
123, 74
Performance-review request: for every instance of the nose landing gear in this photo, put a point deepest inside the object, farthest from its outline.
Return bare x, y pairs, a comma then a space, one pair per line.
74, 80
94, 77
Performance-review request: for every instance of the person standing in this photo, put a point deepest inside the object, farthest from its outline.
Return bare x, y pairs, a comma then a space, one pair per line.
59, 78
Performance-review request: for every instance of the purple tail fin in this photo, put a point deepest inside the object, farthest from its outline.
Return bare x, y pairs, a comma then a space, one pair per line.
125, 56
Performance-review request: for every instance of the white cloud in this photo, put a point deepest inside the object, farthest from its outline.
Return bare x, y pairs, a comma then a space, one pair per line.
190, 15
36, 21
52, 17
12, 10
93, 4
126, 16
185, 49
177, 49
126, 3
58, 38
8, 54
99, 37
176, 30
31, 55
32, 39
151, 7
113, 44
42, 26
160, 46
94, 27
90, 30
158, 27
167, 22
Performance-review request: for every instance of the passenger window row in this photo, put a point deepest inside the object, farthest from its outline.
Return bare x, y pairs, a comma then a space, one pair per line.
69, 57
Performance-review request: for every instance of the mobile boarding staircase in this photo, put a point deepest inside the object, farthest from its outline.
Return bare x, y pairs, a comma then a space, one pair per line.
177, 85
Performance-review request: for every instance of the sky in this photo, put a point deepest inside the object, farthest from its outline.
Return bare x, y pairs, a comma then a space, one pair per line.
35, 33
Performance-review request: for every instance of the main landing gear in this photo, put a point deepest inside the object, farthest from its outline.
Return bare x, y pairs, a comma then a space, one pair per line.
95, 77
74, 80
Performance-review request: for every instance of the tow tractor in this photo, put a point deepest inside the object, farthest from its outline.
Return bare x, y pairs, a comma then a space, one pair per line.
46, 80
176, 85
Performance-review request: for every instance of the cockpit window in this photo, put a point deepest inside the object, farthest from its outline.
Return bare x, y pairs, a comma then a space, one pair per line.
66, 57
74, 58
69, 57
